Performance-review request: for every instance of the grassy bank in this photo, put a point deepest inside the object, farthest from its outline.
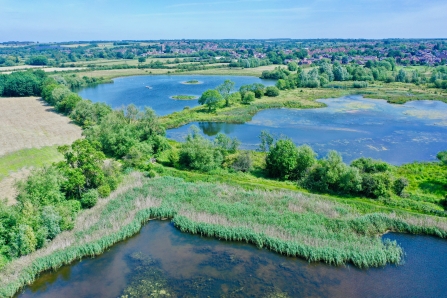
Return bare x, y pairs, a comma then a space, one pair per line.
290, 223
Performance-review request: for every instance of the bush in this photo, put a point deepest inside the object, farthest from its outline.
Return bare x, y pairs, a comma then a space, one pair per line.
399, 186
243, 162
37, 60
281, 160
442, 157
369, 165
50, 221
360, 84
306, 158
272, 91
198, 153
377, 185
248, 97
104, 191
89, 198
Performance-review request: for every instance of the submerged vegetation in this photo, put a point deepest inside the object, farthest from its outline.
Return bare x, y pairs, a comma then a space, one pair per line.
184, 97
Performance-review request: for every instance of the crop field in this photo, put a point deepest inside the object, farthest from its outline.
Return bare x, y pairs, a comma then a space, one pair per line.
28, 122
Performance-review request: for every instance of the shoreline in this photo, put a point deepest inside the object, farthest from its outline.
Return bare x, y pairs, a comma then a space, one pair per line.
149, 208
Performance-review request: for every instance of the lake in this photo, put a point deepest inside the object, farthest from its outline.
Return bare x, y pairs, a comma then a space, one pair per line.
353, 125
132, 90
162, 260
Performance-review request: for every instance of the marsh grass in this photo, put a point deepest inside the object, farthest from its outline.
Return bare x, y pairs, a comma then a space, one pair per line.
290, 223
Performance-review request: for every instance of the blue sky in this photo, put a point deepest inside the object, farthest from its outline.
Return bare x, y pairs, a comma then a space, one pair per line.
67, 20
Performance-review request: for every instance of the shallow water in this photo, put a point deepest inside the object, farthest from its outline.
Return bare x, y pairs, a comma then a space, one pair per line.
127, 90
162, 259
352, 125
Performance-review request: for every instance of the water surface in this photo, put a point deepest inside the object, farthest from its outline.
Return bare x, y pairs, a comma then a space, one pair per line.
127, 90
353, 125
161, 259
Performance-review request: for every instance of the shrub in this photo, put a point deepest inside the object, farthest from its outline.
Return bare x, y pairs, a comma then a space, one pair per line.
272, 91
23, 240
369, 165
243, 162
306, 158
89, 198
281, 160
399, 185
104, 191
248, 97
360, 84
50, 221
442, 156
377, 185
198, 153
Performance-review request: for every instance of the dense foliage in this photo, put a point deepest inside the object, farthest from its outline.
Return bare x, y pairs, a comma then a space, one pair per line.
23, 83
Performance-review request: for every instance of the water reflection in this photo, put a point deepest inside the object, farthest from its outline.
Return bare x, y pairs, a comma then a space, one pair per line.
164, 261
352, 125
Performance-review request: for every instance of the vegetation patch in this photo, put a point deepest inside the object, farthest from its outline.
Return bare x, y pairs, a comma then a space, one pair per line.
184, 97
192, 82
290, 223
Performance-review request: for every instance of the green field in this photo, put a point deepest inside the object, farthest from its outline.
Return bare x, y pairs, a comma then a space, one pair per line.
28, 158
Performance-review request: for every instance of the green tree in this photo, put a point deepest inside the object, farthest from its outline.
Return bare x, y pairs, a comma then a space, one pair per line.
292, 66
306, 158
442, 156
211, 98
272, 91
248, 97
225, 91
281, 160
198, 153
82, 167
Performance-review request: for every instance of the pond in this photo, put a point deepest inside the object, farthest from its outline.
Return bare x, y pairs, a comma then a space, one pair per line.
156, 91
161, 260
353, 125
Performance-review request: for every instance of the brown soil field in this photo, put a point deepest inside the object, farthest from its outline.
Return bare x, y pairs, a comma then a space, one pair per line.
27, 122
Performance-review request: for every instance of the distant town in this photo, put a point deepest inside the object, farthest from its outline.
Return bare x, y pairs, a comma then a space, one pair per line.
276, 51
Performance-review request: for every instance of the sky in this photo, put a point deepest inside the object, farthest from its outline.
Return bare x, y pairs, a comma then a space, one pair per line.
73, 20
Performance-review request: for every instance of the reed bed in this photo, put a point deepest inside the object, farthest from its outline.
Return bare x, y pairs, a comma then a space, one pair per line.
290, 223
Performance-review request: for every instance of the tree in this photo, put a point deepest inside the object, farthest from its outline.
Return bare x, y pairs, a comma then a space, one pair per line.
248, 97
243, 162
225, 144
292, 66
82, 167
211, 98
37, 60
442, 156
400, 77
225, 91
142, 59
281, 160
306, 158
266, 141
272, 91
198, 153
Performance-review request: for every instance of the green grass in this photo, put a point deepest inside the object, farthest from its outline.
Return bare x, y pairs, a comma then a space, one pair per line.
28, 158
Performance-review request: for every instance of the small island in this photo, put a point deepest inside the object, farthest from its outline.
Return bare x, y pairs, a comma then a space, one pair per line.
192, 82
184, 97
